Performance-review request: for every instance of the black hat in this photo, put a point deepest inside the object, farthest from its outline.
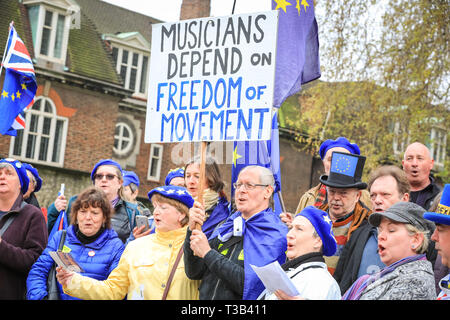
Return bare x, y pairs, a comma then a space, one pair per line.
345, 171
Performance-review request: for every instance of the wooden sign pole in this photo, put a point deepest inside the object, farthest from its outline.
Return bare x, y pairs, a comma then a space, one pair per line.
202, 177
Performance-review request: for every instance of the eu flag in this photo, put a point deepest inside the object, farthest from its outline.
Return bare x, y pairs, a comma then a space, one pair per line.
264, 153
19, 86
344, 164
297, 60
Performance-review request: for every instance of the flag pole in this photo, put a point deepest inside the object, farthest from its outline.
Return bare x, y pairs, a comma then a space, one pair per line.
283, 208
6, 46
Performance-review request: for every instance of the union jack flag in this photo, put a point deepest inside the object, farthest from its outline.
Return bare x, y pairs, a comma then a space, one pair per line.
19, 86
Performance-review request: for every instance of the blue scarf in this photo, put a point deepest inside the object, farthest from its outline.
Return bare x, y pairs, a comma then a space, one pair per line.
264, 242
357, 289
219, 214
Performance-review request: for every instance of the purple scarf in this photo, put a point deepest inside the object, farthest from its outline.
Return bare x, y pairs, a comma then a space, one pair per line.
357, 289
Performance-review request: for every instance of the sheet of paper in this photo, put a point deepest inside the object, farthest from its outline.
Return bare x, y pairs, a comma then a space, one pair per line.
65, 260
274, 278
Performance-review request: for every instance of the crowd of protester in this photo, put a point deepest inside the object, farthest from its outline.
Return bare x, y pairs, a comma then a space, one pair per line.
348, 239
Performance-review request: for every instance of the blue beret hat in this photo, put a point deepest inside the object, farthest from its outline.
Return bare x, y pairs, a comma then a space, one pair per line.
323, 225
21, 172
442, 213
339, 142
178, 172
35, 173
130, 177
104, 162
173, 192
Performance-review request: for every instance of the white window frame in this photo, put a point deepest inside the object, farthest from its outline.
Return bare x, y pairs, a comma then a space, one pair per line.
65, 38
121, 138
441, 145
39, 134
151, 159
129, 66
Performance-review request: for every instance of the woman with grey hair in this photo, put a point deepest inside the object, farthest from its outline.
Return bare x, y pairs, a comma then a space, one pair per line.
402, 243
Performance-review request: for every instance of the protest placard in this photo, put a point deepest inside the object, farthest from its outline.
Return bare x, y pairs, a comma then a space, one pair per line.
212, 79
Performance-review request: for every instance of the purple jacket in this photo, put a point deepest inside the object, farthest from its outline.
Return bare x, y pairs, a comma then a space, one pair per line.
20, 246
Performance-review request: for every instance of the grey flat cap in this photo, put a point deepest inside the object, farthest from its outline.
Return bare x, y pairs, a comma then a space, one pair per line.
404, 212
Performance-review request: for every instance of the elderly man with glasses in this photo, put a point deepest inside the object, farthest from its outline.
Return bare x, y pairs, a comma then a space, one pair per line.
253, 235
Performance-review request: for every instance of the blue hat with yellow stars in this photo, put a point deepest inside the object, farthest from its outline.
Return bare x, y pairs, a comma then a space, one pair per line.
323, 226
178, 172
442, 213
173, 192
345, 171
21, 172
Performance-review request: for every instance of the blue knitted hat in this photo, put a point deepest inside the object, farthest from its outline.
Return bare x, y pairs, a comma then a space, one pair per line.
21, 172
173, 192
339, 142
323, 225
130, 177
35, 173
104, 162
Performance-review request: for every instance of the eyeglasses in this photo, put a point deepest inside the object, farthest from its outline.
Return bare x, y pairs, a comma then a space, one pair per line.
108, 177
248, 186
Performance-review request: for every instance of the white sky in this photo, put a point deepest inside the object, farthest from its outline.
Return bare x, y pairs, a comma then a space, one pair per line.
169, 10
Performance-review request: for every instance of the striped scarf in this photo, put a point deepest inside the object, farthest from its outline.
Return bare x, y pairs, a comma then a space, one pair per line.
360, 285
321, 198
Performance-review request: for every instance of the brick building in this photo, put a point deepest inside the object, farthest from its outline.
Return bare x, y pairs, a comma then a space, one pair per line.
92, 62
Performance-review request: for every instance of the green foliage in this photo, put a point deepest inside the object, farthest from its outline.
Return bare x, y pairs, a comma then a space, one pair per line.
385, 77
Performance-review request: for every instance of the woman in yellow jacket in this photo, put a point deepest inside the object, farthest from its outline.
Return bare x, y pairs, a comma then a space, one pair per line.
147, 262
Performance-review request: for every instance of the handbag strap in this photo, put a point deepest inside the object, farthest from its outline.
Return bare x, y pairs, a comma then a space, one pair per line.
172, 273
11, 219
61, 241
7, 224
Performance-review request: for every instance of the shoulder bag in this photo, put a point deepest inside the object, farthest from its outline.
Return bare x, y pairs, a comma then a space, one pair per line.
52, 282
172, 273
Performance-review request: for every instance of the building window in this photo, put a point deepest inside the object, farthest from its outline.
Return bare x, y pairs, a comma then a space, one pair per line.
50, 32
123, 138
154, 165
401, 138
44, 137
438, 145
132, 67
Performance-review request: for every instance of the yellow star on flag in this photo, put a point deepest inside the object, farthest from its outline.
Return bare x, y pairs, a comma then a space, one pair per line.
18, 94
12, 97
24, 87
304, 4
282, 4
235, 156
5, 94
